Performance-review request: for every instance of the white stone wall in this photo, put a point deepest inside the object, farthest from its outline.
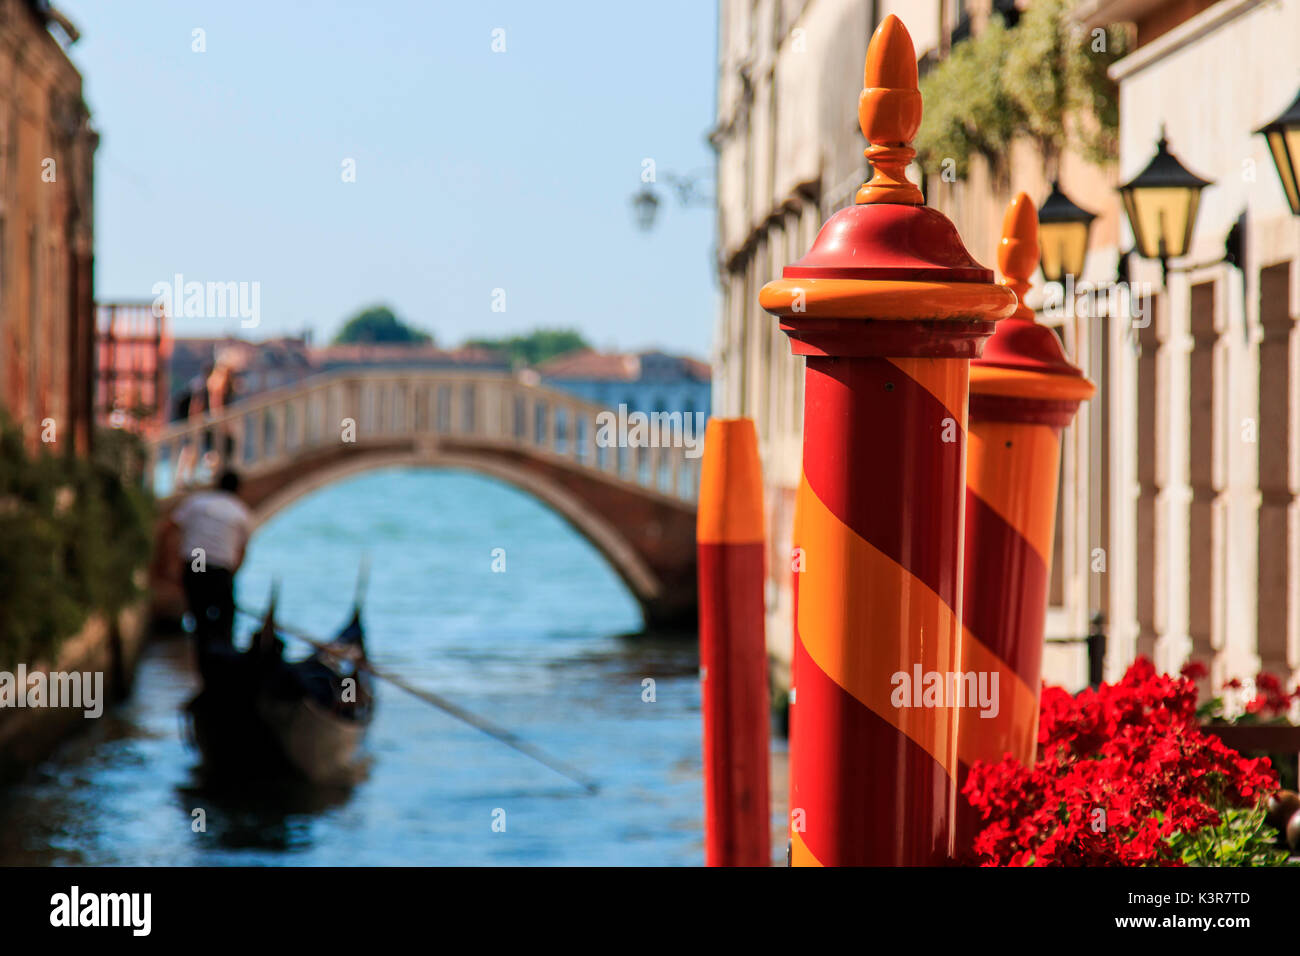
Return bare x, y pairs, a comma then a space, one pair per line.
1212, 81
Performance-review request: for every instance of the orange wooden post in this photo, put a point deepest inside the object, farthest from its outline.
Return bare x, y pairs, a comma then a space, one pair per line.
733, 651
1023, 391
888, 307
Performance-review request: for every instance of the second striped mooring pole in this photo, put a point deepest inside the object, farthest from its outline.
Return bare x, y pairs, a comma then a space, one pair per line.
888, 308
1023, 391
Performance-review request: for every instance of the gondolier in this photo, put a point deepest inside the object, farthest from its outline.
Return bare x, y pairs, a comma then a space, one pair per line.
214, 529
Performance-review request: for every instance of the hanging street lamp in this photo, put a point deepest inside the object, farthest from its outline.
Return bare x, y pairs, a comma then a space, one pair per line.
1062, 235
1283, 135
1161, 203
690, 192
645, 205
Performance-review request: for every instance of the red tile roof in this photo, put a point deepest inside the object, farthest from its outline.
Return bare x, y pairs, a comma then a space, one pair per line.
590, 365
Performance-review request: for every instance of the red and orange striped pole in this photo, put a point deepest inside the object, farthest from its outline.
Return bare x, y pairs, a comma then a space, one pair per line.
888, 307
730, 540
1023, 392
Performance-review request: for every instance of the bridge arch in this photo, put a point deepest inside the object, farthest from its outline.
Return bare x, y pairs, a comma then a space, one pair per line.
640, 579
640, 518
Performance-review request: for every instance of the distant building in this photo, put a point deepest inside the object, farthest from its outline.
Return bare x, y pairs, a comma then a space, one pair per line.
644, 381
131, 364
257, 366
47, 147
390, 356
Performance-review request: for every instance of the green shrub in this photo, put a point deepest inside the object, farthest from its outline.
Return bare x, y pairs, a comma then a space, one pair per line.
73, 532
1045, 79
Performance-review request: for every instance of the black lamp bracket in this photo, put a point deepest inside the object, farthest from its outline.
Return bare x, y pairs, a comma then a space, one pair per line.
1234, 254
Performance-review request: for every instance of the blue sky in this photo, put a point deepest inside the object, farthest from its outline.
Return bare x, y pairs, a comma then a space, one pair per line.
475, 170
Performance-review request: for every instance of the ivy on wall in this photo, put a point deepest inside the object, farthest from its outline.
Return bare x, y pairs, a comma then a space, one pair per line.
1044, 79
73, 531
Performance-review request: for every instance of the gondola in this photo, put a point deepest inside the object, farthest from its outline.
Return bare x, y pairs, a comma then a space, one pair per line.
258, 714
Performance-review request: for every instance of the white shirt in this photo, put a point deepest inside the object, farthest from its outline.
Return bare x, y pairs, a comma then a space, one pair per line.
217, 522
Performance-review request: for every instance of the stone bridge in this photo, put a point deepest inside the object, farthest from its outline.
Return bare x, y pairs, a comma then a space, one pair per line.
636, 505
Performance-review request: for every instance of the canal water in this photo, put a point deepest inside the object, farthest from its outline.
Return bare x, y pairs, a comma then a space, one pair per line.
546, 647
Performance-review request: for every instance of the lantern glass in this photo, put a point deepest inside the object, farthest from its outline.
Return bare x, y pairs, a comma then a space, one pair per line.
1284, 144
1162, 218
1062, 248
1062, 235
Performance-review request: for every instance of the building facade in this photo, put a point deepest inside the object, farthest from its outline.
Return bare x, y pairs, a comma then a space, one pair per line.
1203, 436
1177, 519
643, 381
47, 322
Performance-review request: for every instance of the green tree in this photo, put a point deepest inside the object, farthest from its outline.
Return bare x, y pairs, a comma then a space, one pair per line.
1045, 79
379, 324
536, 346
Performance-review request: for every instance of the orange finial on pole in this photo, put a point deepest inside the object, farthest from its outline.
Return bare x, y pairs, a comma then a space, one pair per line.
1018, 250
889, 112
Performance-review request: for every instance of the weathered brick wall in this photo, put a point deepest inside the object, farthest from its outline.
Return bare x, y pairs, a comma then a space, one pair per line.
46, 231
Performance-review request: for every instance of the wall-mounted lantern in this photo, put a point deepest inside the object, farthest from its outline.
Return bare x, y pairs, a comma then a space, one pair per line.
1283, 135
1161, 203
1062, 235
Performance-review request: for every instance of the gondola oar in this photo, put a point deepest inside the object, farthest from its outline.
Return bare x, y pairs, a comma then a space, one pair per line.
507, 737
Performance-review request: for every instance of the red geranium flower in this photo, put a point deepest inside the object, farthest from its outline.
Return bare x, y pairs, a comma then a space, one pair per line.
1119, 769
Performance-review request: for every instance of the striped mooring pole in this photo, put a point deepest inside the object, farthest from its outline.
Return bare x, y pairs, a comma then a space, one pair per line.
888, 308
1023, 391
730, 541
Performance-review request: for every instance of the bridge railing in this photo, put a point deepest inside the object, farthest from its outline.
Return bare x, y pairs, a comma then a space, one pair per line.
369, 408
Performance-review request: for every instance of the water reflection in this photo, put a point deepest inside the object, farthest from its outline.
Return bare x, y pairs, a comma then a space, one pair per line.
252, 814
